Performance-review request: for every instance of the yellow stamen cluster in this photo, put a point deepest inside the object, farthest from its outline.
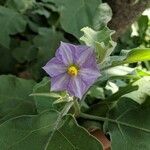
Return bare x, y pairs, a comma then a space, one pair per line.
72, 70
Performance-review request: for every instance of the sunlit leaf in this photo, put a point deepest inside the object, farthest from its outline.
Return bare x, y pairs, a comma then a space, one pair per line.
144, 90
134, 55
100, 40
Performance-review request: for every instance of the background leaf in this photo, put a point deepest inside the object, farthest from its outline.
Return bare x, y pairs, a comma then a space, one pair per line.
9, 26
75, 15
47, 41
26, 51
21, 5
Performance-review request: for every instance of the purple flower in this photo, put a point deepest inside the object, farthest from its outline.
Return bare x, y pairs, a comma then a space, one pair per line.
73, 69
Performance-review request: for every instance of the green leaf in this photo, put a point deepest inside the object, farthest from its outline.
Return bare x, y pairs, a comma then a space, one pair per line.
21, 5
6, 61
100, 40
76, 14
116, 72
96, 92
43, 102
42, 11
52, 1
2, 2
11, 23
14, 92
102, 17
25, 52
91, 36
47, 41
142, 26
144, 90
132, 56
121, 92
45, 99
129, 126
34, 133
24, 108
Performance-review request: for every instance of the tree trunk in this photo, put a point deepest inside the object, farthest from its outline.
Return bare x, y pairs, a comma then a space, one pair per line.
125, 12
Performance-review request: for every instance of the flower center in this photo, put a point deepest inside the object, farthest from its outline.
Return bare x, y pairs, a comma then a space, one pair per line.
72, 70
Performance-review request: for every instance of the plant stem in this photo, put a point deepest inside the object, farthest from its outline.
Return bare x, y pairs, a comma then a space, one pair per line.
91, 117
76, 107
118, 122
96, 118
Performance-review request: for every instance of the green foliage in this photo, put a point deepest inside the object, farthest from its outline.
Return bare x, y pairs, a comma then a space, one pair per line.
100, 40
6, 61
9, 26
25, 52
143, 91
77, 14
102, 17
14, 96
43, 102
132, 56
34, 118
41, 131
47, 41
129, 126
22, 6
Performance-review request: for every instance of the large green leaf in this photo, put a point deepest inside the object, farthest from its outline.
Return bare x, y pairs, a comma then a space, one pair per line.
24, 108
76, 14
11, 23
129, 126
44, 132
14, 92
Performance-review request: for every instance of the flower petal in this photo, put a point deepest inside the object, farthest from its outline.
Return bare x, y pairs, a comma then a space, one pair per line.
80, 49
91, 63
85, 56
54, 67
77, 87
60, 82
89, 75
65, 53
